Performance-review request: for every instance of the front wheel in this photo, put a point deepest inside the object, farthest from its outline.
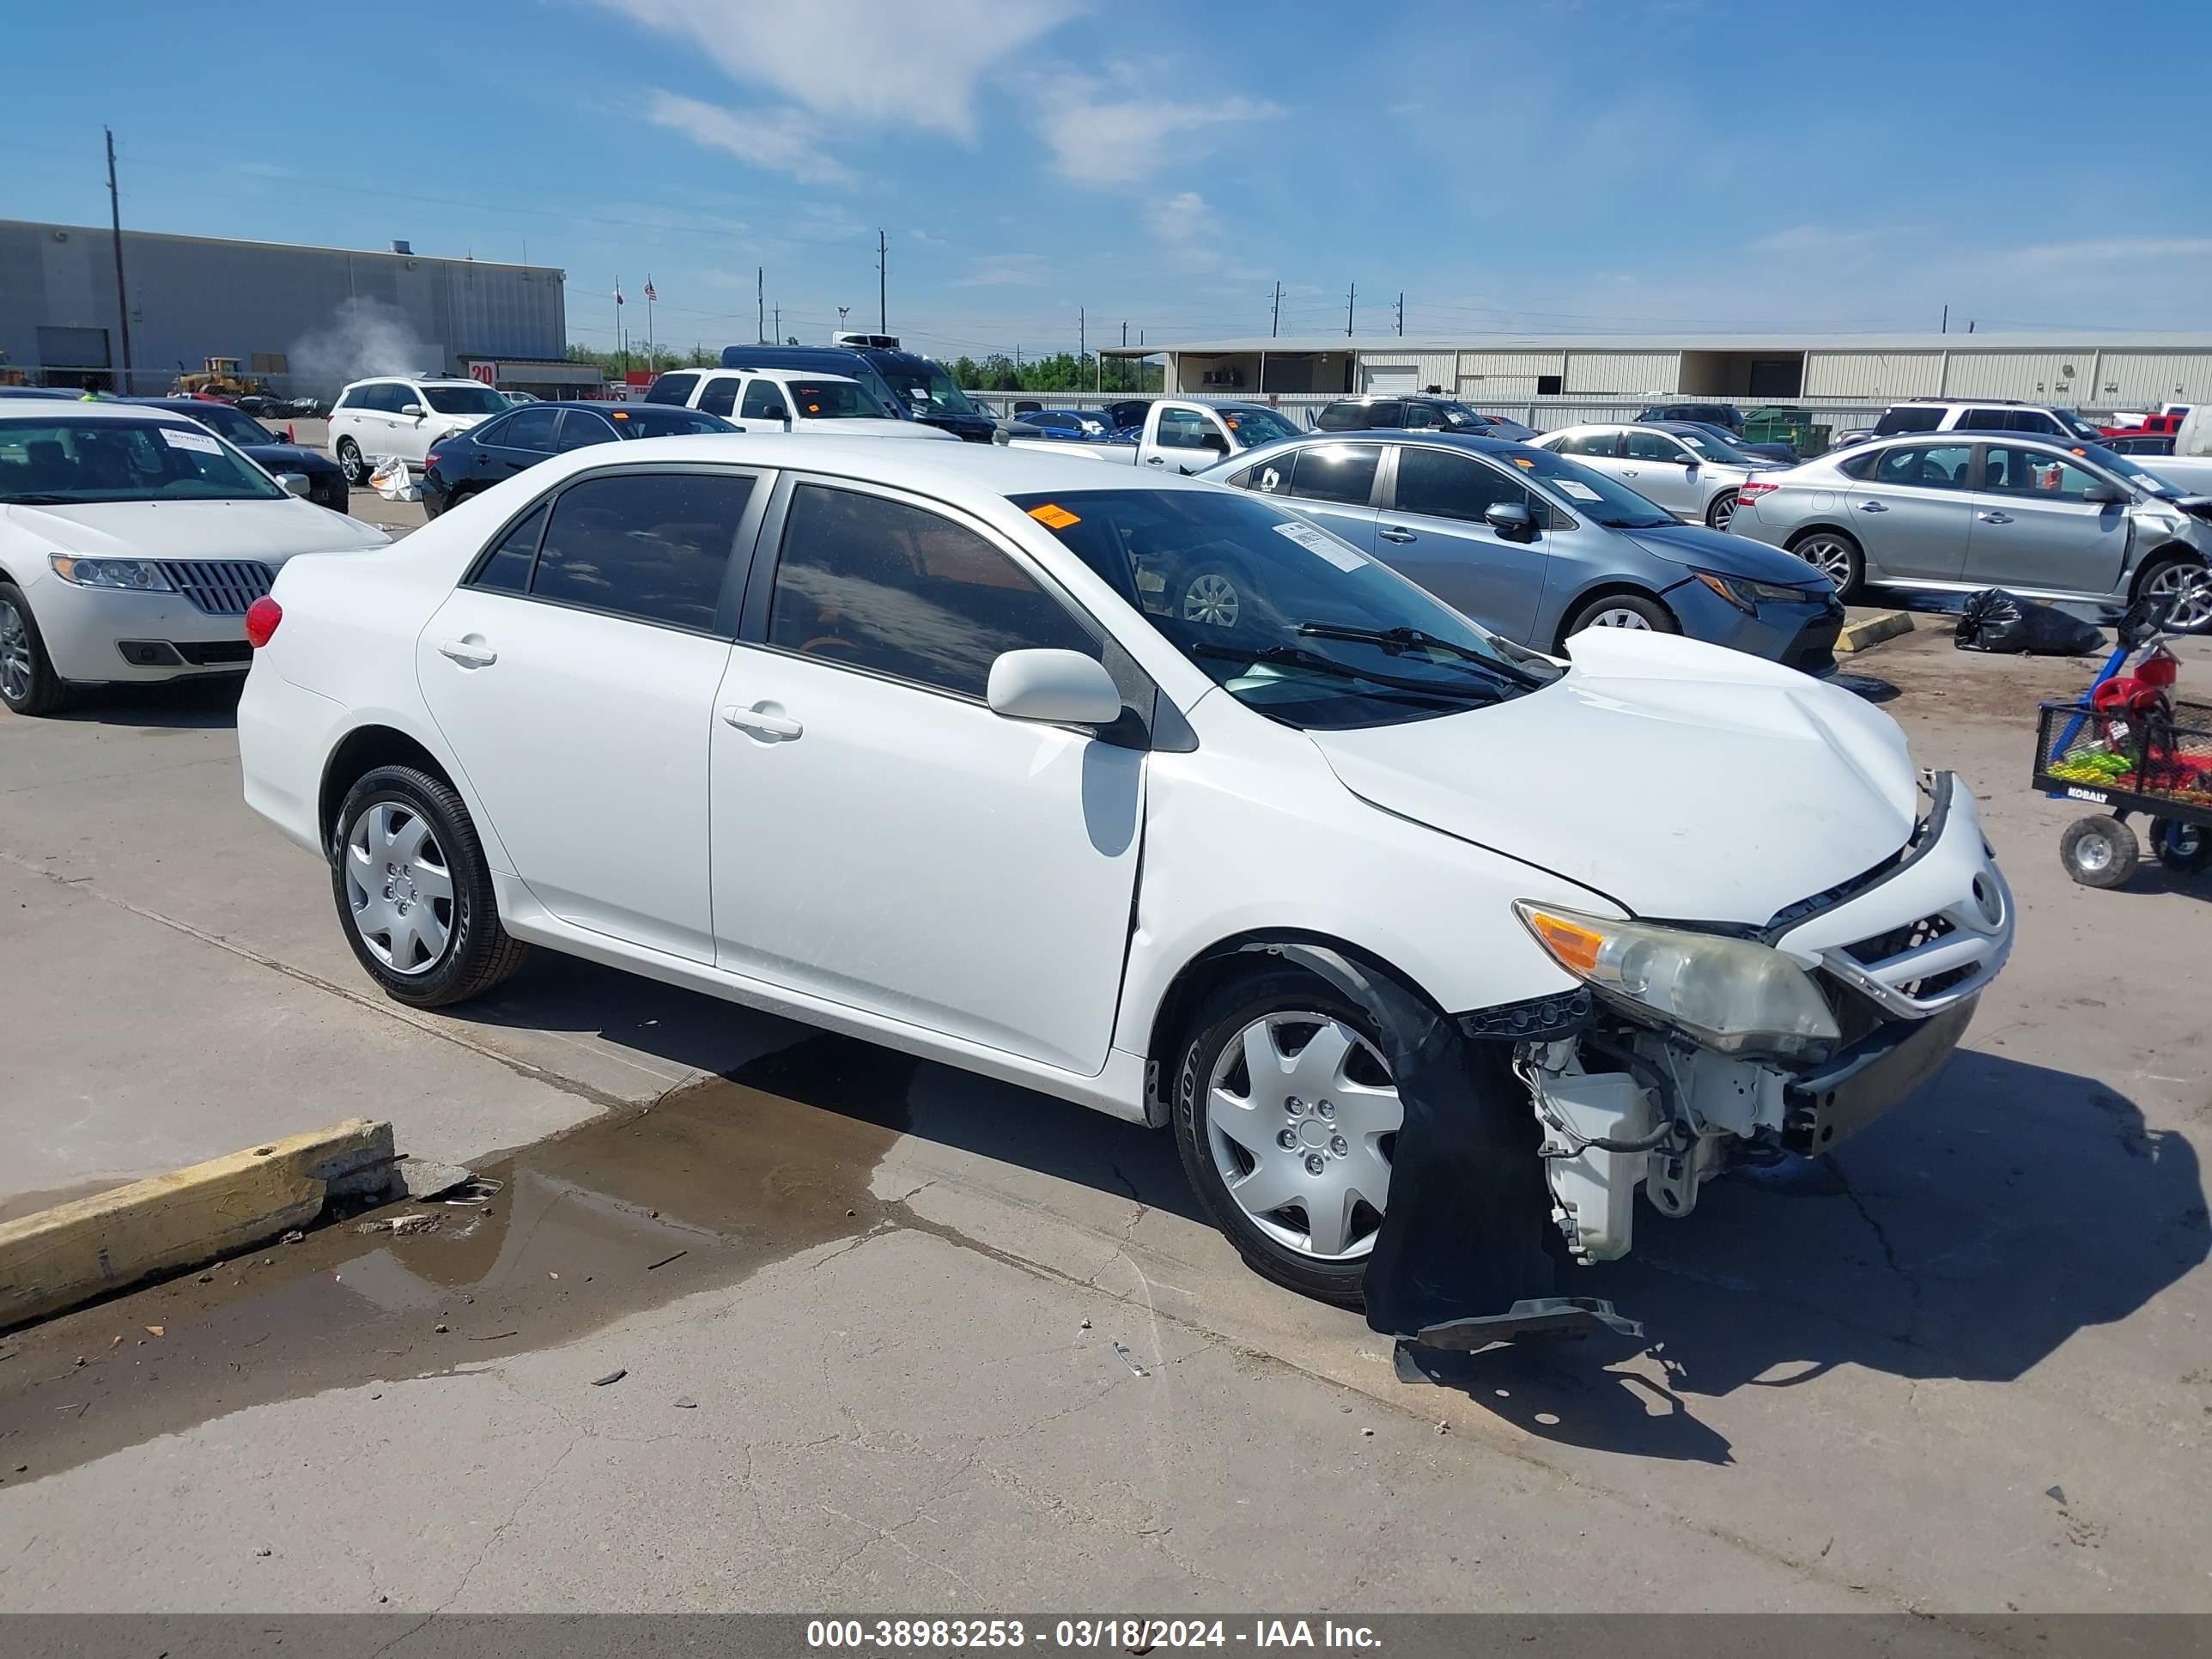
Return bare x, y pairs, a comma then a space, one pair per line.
29, 683
1287, 1117
352, 464
1836, 556
2099, 851
1722, 512
414, 892
1622, 610
2180, 596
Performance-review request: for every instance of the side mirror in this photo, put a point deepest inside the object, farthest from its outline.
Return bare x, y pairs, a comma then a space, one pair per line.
296, 483
414, 409
1060, 687
1511, 519
2101, 494
1214, 441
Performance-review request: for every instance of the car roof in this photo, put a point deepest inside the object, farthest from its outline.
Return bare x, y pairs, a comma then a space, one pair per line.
416, 379
32, 408
780, 371
1391, 435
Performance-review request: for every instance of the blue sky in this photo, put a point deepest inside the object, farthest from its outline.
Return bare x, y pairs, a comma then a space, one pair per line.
1548, 165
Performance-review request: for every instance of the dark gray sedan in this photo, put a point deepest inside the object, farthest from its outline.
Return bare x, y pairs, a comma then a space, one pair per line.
1537, 547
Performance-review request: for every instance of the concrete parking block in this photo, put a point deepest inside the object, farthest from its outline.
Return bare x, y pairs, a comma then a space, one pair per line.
1871, 628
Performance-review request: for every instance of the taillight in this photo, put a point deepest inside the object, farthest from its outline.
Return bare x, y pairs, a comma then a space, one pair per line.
1750, 489
261, 619
430, 459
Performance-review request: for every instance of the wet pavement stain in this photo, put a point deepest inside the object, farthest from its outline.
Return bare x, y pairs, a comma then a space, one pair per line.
698, 1191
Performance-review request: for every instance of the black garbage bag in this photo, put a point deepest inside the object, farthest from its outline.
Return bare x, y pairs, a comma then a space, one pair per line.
1994, 620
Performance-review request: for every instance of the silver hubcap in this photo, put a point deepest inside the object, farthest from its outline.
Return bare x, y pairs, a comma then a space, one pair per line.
2092, 854
15, 652
1298, 1115
2185, 594
1620, 616
1211, 599
398, 888
1829, 557
1723, 510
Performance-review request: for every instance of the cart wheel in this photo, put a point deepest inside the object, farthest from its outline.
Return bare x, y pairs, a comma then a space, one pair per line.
2099, 851
2183, 846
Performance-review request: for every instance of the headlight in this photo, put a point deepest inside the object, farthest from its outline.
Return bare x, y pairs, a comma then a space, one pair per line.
1748, 596
139, 575
1729, 993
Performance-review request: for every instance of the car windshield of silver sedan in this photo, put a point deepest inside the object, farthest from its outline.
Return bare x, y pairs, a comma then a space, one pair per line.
1710, 448
68, 463
1288, 619
1589, 494
2129, 468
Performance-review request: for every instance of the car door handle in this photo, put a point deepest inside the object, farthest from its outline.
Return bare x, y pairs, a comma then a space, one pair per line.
1391, 532
1872, 506
469, 653
1156, 460
1994, 518
762, 721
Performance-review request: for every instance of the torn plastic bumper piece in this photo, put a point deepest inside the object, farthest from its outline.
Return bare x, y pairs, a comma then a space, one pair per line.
1424, 1358
1467, 1240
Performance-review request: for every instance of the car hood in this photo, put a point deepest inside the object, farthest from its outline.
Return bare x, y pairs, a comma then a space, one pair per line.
1725, 555
269, 532
1684, 780
863, 426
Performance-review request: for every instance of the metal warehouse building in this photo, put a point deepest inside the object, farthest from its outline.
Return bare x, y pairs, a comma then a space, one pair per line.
2084, 370
303, 319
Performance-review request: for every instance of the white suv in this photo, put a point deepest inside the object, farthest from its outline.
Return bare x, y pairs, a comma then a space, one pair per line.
403, 416
1977, 415
788, 400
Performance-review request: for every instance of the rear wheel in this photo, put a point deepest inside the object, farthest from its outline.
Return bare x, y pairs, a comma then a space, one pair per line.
414, 892
1622, 610
1836, 556
351, 462
2099, 851
1286, 1116
1723, 510
29, 683
2183, 846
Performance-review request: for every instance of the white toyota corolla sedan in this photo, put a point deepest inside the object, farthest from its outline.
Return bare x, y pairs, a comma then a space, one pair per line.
132, 540
907, 741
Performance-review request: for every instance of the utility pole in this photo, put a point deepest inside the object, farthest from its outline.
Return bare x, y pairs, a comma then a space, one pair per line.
1946, 328
1122, 373
1350, 301
1275, 318
779, 325
760, 305
1082, 339
883, 264
115, 228
1401, 313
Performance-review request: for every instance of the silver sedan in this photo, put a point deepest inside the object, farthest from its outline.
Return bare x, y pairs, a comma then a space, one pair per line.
1683, 467
2049, 518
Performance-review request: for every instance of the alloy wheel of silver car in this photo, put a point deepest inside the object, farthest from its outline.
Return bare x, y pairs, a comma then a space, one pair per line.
1722, 512
16, 668
1211, 599
1300, 1114
1620, 616
1829, 554
2182, 594
398, 887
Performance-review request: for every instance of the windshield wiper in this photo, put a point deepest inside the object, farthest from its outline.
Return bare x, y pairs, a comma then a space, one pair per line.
1636, 523
1289, 656
1402, 638
39, 500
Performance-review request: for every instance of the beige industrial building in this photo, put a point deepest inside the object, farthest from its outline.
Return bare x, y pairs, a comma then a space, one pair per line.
2093, 371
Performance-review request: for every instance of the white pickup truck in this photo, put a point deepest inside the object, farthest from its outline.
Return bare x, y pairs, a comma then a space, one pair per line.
1180, 435
2189, 467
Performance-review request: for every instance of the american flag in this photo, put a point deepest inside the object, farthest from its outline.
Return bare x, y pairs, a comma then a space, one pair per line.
649, 292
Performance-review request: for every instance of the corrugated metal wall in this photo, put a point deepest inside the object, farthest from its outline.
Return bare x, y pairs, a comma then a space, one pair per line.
192, 298
1629, 373
2131, 379
1515, 366
2030, 376
1872, 374
1438, 368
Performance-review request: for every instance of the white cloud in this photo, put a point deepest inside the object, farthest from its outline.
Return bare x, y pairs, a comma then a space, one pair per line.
785, 141
876, 62
1099, 136
1007, 270
2115, 250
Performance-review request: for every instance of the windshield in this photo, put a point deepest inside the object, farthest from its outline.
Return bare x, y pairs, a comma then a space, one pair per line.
657, 421
62, 463
1712, 448
1254, 426
1288, 619
834, 400
2076, 427
1588, 494
466, 400
225, 421
2143, 477
928, 390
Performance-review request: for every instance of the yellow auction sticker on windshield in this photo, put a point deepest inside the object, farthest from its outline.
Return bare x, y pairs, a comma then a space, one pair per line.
1053, 516
1523, 461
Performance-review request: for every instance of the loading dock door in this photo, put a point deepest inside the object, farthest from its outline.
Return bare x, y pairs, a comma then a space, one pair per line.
73, 356
1400, 380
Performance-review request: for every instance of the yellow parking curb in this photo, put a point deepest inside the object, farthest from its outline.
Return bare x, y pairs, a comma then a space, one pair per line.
58, 1258
1873, 630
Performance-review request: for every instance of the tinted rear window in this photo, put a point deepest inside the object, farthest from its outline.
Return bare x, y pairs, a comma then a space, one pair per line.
671, 389
1912, 418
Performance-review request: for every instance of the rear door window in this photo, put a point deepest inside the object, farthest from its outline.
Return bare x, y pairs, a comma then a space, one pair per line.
1926, 466
720, 395
764, 401
1988, 420
582, 427
651, 545
1337, 472
508, 569
1590, 443
672, 389
1909, 417
526, 428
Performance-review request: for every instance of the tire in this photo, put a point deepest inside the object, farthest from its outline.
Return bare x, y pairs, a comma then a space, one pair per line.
1636, 611
1209, 595
1292, 1012
2099, 851
422, 955
2183, 848
351, 462
29, 683
1722, 510
2167, 578
1835, 556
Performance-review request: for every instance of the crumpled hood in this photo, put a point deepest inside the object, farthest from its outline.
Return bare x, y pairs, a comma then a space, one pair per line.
1685, 781
1725, 555
270, 532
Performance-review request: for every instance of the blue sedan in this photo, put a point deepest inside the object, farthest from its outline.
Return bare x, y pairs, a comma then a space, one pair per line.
1537, 548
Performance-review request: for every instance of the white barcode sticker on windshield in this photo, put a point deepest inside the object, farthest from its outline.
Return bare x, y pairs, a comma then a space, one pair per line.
178, 438
1342, 555
1577, 489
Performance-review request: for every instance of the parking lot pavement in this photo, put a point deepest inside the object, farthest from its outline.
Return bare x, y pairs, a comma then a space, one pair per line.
1958, 1366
